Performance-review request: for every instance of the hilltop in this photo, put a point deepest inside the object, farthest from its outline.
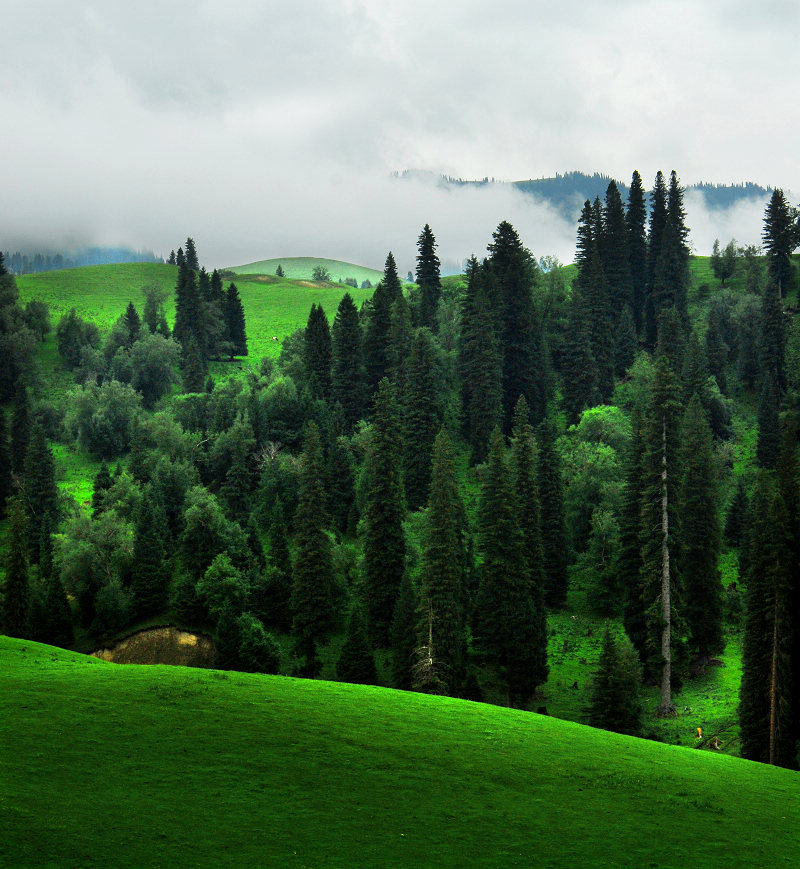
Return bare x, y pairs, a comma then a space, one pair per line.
301, 268
155, 766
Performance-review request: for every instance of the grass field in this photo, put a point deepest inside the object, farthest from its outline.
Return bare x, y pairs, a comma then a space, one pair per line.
301, 268
107, 765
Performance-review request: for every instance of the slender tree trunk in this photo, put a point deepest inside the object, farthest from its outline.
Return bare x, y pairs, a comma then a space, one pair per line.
772, 683
666, 707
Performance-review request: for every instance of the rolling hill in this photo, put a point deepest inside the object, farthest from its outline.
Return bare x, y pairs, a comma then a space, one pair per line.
105, 764
301, 269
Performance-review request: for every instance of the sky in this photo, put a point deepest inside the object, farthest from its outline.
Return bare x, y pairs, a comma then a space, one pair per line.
268, 129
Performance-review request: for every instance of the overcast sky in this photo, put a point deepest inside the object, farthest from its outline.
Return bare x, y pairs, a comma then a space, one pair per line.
272, 128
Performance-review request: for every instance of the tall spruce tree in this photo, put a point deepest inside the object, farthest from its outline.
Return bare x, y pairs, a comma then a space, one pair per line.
772, 337
614, 252
736, 517
149, 573
6, 479
769, 434
442, 629
235, 326
655, 240
616, 702
505, 617
356, 661
16, 598
317, 352
421, 418
765, 710
348, 386
701, 535
38, 489
579, 388
20, 427
190, 252
376, 337
428, 277
780, 237
636, 220
312, 576
187, 309
554, 532
384, 538
403, 635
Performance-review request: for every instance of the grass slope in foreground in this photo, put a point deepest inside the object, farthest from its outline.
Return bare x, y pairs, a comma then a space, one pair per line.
106, 765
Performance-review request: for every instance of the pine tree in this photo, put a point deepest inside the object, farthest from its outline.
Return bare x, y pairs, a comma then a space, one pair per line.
187, 309
403, 635
554, 532
356, 660
428, 277
191, 255
505, 618
772, 337
479, 366
14, 615
626, 344
660, 580
443, 571
39, 489
317, 352
717, 349
56, 624
526, 494
614, 252
171, 261
133, 324
347, 372
102, 483
780, 237
20, 427
421, 418
636, 218
701, 535
736, 519
578, 366
401, 337
765, 719
655, 239
6, 479
312, 582
769, 435
234, 322
149, 574
384, 538
341, 486
616, 702
280, 580
376, 338
391, 280
194, 367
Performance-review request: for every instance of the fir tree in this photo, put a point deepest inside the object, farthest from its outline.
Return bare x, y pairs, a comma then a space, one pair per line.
701, 536
234, 322
765, 720
655, 240
636, 218
317, 352
384, 538
194, 367
190, 253
341, 486
171, 261
312, 582
180, 258
56, 624
6, 479
133, 324
20, 427
443, 571
505, 618
629, 562
616, 702
403, 635
391, 280
578, 366
780, 237
149, 575
626, 344
421, 418
554, 532
347, 372
428, 277
187, 309
736, 519
356, 661
376, 338
772, 337
769, 435
14, 615
717, 349
279, 586
39, 489
401, 337
614, 254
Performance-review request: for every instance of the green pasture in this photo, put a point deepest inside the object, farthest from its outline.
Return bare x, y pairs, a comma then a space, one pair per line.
301, 268
140, 766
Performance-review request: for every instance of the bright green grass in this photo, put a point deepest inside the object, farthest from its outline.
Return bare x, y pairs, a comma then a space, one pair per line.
301, 268
106, 765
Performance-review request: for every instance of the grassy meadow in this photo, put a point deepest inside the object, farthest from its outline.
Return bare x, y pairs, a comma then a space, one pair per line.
301, 268
139, 766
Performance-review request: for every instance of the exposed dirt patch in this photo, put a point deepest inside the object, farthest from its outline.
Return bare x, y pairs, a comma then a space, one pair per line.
165, 645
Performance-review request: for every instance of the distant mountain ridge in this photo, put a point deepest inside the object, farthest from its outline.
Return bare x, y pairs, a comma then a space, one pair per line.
567, 192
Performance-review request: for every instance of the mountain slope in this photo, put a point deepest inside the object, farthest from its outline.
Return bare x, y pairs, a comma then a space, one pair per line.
102, 764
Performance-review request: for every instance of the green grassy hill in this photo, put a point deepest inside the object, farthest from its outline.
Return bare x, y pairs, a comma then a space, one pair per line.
103, 765
301, 268
273, 307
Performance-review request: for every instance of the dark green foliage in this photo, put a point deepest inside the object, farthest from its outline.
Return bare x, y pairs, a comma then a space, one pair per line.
384, 538
38, 489
183, 600
317, 352
629, 561
55, 624
6, 480
153, 315
655, 240
554, 533
20, 427
235, 329
133, 323
717, 348
72, 335
578, 366
769, 435
505, 617
724, 264
616, 702
194, 368
767, 730
442, 628
403, 635
626, 344
103, 417
15, 612
780, 238
479, 365
102, 483
279, 271
347, 373
428, 277
340, 477
421, 417
636, 218
258, 651
376, 338
187, 310
701, 542
356, 662
207, 533
149, 573
391, 280
154, 363
401, 336
190, 253
614, 252
227, 640
772, 338
312, 578
736, 519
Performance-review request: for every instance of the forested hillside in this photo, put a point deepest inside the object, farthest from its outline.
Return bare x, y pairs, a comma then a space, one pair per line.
526, 484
